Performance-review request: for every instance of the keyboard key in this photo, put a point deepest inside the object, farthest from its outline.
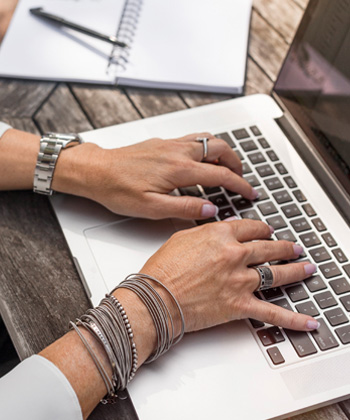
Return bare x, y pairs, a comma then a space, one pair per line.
290, 182
323, 337
315, 283
263, 143
300, 225
267, 208
255, 323
211, 190
250, 214
282, 197
275, 355
242, 203
225, 213
283, 303
343, 334
286, 235
281, 168
345, 300
248, 145
272, 155
339, 255
253, 180
276, 334
347, 269
240, 134
320, 254
262, 195
325, 300
299, 196
319, 224
265, 337
231, 193
330, 270
297, 293
340, 286
291, 210
309, 210
273, 183
276, 222
265, 170
272, 293
254, 129
219, 200
336, 317
301, 342
192, 191
239, 154
246, 169
310, 239
256, 158
227, 138
307, 308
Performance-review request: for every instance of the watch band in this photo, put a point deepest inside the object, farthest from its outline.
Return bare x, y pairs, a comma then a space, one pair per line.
51, 145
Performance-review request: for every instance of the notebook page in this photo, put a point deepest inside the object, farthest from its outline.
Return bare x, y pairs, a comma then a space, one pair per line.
35, 48
195, 43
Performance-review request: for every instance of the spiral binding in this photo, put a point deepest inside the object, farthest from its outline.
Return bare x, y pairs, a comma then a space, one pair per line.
126, 32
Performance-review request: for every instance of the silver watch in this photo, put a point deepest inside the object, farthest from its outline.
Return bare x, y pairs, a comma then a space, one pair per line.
51, 145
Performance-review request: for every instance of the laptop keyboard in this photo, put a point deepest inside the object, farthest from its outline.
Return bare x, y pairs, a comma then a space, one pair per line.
326, 295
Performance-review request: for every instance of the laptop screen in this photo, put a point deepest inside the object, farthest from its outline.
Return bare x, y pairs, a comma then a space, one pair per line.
314, 83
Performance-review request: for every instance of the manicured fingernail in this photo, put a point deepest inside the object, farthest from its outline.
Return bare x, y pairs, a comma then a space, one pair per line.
298, 250
254, 194
231, 218
209, 210
271, 229
310, 269
312, 325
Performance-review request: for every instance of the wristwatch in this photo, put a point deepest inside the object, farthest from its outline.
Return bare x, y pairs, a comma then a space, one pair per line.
51, 145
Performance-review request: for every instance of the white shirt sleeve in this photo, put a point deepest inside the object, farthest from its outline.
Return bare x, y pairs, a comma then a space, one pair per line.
3, 127
37, 390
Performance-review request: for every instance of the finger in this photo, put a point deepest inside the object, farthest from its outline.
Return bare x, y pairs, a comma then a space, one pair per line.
249, 230
213, 176
183, 207
263, 251
275, 315
286, 274
192, 137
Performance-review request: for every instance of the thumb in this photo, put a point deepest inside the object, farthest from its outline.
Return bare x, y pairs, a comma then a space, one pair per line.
184, 207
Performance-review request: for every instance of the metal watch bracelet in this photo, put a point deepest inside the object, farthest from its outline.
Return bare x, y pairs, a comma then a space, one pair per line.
51, 145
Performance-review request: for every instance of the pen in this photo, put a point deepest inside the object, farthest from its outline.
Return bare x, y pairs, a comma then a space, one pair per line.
39, 11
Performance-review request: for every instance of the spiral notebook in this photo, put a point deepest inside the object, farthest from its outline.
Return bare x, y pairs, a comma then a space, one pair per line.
184, 44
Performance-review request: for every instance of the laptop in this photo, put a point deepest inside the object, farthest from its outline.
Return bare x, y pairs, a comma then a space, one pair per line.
295, 150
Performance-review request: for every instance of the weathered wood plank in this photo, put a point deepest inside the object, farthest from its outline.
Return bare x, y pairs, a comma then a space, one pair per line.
62, 113
155, 102
22, 98
105, 105
193, 99
302, 3
345, 406
24, 124
267, 48
257, 81
331, 412
283, 16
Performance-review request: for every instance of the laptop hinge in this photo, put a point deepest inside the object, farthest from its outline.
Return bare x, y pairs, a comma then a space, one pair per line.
314, 161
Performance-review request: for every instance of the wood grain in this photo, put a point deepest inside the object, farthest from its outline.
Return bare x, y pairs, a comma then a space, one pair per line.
332, 412
257, 81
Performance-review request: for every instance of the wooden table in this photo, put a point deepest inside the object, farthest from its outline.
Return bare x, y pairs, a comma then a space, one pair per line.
39, 287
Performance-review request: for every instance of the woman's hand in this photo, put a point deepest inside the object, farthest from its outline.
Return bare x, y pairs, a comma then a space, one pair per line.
136, 180
208, 268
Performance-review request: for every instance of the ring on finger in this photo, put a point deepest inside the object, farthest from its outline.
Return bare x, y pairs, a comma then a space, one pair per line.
204, 140
266, 277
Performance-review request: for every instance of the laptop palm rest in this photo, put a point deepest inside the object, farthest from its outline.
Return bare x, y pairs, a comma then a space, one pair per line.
122, 247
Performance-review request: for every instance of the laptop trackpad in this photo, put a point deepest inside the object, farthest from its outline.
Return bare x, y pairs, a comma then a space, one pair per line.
122, 247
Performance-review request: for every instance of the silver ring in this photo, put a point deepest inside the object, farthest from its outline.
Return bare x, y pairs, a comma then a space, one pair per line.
266, 277
204, 140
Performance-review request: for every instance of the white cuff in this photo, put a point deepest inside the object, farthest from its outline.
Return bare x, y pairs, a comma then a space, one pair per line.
37, 390
3, 127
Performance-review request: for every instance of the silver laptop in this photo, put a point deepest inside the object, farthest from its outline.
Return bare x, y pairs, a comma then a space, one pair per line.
295, 150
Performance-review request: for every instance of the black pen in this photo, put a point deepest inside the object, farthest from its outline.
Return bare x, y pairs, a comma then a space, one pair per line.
39, 11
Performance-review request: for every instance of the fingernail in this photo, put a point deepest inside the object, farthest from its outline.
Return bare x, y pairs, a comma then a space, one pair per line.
313, 325
298, 250
310, 269
254, 194
209, 210
272, 230
231, 218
